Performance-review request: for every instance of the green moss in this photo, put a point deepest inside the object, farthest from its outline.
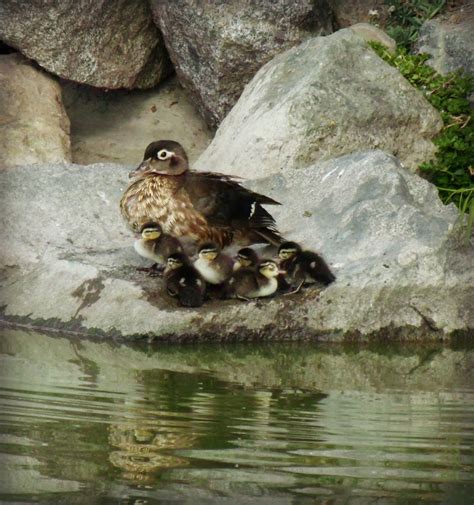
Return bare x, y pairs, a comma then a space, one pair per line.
452, 171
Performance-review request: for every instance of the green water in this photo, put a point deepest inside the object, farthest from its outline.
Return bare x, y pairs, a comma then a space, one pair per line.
88, 422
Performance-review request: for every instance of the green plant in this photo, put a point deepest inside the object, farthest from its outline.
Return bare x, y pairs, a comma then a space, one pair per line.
405, 18
452, 171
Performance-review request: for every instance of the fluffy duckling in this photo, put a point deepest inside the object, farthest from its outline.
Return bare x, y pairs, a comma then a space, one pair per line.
183, 281
303, 266
214, 266
246, 283
246, 258
155, 245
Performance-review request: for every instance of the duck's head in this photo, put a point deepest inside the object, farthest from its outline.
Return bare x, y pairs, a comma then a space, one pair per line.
151, 231
164, 157
176, 260
288, 250
208, 252
245, 258
269, 269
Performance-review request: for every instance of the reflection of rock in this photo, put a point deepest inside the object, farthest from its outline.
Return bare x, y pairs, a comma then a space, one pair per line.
34, 127
295, 111
103, 44
217, 47
119, 125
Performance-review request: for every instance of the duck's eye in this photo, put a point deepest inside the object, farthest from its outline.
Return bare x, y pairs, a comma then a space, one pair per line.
163, 154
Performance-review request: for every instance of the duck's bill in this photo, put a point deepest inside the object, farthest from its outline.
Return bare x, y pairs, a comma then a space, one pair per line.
143, 167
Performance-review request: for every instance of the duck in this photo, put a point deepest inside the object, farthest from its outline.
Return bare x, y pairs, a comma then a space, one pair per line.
195, 206
155, 245
183, 281
246, 257
303, 266
214, 266
246, 283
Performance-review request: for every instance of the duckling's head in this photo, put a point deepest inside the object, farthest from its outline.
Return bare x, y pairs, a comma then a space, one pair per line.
208, 252
269, 269
288, 250
176, 260
164, 157
151, 231
246, 258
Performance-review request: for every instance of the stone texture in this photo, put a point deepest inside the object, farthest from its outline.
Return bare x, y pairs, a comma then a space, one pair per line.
349, 12
449, 40
117, 126
327, 97
217, 47
70, 264
34, 127
104, 44
370, 33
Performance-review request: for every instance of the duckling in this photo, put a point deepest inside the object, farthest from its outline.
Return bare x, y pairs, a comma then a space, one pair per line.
246, 283
303, 266
246, 258
183, 281
201, 206
155, 245
214, 266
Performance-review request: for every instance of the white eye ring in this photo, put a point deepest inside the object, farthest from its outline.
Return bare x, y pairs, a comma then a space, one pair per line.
164, 154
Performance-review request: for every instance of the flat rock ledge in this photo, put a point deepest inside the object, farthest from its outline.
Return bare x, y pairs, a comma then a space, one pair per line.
69, 265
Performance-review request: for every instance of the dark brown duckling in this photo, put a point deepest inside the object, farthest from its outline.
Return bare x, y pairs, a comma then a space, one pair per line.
183, 281
246, 258
214, 266
303, 267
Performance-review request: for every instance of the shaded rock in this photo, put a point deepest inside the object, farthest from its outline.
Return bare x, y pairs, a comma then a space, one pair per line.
449, 40
103, 44
34, 127
327, 97
383, 231
371, 33
216, 47
349, 12
117, 126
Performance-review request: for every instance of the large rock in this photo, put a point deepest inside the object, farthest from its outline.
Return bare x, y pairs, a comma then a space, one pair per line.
327, 97
217, 47
69, 262
103, 44
34, 127
449, 39
117, 126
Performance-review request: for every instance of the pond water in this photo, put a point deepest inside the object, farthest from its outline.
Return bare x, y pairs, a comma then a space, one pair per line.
90, 422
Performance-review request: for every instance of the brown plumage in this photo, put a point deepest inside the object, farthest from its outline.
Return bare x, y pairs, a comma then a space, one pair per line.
248, 283
201, 206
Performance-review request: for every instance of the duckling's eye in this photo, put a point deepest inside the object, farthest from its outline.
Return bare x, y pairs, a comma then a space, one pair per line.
163, 154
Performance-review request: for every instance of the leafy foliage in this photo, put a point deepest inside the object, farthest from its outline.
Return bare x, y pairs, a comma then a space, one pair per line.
452, 171
406, 17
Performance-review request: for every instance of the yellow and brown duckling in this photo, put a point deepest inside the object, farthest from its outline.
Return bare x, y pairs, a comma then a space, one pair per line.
155, 245
214, 266
303, 267
246, 284
183, 281
201, 206
246, 258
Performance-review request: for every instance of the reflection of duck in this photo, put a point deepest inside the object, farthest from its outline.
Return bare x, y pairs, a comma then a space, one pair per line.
202, 206
155, 245
213, 265
183, 281
246, 283
303, 266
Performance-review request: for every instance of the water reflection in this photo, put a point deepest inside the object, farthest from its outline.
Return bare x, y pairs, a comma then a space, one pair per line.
84, 422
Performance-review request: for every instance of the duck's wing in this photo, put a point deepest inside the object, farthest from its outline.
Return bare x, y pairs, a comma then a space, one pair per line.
225, 203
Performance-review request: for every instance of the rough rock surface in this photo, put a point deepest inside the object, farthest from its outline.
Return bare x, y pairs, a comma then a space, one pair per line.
117, 126
34, 127
327, 97
449, 40
217, 47
349, 12
103, 44
70, 264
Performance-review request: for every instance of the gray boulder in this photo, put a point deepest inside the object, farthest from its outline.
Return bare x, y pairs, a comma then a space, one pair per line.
327, 97
34, 127
68, 261
103, 44
449, 40
216, 47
